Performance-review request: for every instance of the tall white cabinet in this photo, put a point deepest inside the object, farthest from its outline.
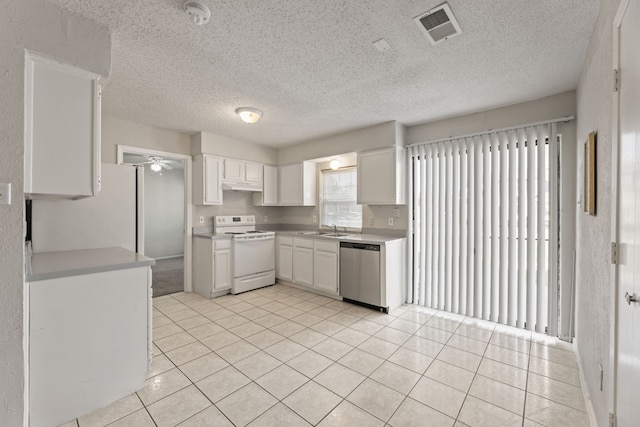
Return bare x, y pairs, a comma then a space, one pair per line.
62, 129
381, 176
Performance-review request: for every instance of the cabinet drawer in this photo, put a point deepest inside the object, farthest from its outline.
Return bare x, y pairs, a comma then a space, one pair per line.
326, 246
223, 244
303, 243
287, 241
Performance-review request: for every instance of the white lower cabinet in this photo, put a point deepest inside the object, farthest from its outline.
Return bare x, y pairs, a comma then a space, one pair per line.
326, 267
284, 258
212, 266
303, 261
313, 263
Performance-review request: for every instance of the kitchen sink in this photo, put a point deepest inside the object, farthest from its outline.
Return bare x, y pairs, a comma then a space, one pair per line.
322, 233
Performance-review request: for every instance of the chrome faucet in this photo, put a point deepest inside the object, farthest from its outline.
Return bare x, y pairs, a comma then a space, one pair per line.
332, 226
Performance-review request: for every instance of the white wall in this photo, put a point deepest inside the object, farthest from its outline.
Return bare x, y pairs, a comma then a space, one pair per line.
594, 287
118, 131
163, 213
209, 143
382, 135
550, 107
237, 203
43, 27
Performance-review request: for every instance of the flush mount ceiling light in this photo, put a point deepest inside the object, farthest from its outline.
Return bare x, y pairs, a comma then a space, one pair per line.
198, 12
334, 164
249, 115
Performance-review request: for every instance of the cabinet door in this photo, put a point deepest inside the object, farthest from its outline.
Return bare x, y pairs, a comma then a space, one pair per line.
212, 180
233, 170
290, 184
284, 267
253, 172
270, 185
62, 129
326, 271
376, 177
222, 269
303, 266
381, 177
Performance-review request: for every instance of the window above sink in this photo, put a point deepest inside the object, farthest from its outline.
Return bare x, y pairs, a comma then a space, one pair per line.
338, 199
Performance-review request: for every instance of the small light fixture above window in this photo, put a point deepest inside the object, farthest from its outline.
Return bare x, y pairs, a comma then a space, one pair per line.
334, 164
249, 115
156, 167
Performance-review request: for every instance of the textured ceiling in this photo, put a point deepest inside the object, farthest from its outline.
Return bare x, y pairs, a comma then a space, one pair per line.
312, 68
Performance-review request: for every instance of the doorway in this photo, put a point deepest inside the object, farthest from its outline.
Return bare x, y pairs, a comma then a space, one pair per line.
163, 215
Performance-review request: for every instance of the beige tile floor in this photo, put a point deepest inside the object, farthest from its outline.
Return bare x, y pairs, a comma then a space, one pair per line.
280, 356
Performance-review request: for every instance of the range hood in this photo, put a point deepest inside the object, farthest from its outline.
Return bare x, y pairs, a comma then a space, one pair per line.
241, 186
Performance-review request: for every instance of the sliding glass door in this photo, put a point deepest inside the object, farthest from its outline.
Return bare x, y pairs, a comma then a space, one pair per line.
485, 226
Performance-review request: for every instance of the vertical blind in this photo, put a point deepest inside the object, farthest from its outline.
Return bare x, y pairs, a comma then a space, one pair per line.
484, 235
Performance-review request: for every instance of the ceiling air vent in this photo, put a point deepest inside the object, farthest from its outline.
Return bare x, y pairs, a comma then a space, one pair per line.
438, 24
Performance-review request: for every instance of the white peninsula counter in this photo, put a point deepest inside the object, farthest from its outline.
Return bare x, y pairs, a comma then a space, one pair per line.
89, 314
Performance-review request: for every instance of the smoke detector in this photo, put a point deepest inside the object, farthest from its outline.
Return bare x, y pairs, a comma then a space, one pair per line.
438, 24
198, 12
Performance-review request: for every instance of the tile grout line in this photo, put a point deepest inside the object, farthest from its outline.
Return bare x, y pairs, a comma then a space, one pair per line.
305, 327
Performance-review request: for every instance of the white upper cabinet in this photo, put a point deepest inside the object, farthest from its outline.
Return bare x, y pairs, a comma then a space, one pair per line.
253, 172
62, 129
297, 184
269, 194
233, 170
207, 180
381, 176
242, 171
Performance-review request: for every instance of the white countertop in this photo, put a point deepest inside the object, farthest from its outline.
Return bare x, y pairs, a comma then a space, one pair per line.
52, 265
212, 236
357, 238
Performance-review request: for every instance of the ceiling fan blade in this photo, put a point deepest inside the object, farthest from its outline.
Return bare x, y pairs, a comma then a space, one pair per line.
164, 165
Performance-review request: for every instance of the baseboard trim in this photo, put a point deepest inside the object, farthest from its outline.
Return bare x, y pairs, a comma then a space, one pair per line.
591, 413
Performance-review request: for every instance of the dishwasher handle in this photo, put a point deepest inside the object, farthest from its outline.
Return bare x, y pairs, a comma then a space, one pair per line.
360, 246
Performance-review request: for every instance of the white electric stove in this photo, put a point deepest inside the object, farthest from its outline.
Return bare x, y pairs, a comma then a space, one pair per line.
253, 252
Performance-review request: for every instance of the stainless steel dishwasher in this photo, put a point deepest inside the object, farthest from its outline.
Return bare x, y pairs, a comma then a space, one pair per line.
360, 274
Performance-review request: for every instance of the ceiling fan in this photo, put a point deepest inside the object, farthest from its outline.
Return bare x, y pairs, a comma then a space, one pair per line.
156, 163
